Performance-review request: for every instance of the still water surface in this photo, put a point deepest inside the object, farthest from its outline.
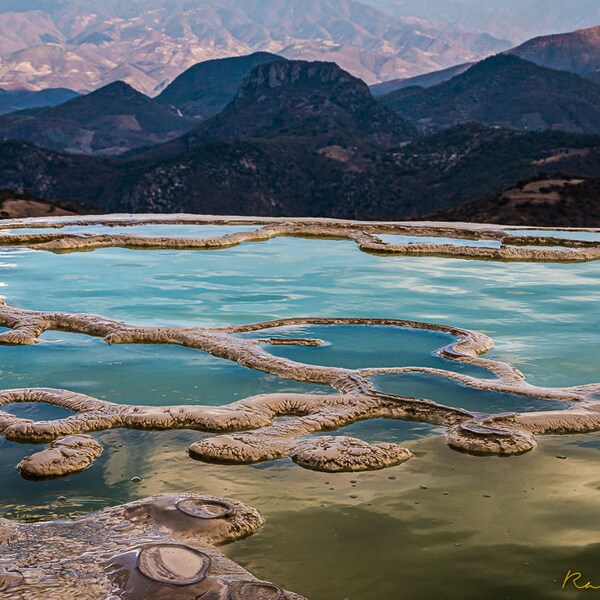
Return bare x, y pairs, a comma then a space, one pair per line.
443, 525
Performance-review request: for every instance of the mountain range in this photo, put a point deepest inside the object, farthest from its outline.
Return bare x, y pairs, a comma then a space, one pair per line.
262, 134
303, 138
111, 120
85, 44
504, 91
516, 20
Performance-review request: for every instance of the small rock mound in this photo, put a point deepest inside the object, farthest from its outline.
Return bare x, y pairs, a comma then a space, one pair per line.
477, 438
69, 455
335, 454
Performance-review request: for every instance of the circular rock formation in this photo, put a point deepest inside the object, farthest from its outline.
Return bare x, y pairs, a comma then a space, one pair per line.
149, 549
337, 454
173, 564
478, 438
206, 509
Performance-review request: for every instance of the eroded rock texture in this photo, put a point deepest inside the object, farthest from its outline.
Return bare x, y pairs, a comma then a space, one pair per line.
162, 548
251, 431
63, 457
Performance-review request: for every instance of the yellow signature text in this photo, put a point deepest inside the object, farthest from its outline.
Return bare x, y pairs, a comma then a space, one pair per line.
578, 581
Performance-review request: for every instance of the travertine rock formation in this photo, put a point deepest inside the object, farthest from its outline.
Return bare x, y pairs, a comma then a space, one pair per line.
365, 234
261, 436
162, 548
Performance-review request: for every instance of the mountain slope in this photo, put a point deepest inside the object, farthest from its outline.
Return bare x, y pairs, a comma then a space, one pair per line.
426, 80
11, 101
546, 202
285, 176
505, 91
206, 88
112, 120
84, 44
313, 100
577, 52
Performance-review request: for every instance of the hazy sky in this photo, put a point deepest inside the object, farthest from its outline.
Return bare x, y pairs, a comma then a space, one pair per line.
515, 20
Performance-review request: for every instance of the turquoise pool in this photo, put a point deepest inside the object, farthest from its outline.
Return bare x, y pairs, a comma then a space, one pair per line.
519, 522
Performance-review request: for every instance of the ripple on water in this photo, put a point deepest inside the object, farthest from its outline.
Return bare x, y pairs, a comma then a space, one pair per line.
368, 346
155, 375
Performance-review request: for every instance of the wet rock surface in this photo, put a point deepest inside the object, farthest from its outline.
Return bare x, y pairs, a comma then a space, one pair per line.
339, 454
146, 549
63, 457
252, 430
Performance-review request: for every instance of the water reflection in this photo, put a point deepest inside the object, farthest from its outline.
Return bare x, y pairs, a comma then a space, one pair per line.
362, 346
444, 524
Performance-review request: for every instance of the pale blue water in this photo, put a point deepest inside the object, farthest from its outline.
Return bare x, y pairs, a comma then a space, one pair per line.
362, 346
145, 230
586, 236
444, 524
408, 239
542, 316
413, 239
152, 375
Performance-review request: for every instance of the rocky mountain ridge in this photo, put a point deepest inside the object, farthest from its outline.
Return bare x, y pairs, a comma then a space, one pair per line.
84, 44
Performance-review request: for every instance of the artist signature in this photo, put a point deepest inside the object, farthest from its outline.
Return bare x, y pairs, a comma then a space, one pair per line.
578, 581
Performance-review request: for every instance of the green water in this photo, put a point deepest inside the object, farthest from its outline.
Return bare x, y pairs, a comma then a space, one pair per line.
444, 524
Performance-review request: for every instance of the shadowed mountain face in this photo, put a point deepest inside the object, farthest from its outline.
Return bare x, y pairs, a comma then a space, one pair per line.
111, 120
426, 80
11, 101
84, 44
505, 91
285, 176
206, 88
313, 100
577, 52
548, 202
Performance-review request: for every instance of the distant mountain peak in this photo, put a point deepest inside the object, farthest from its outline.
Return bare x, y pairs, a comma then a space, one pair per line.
576, 51
206, 88
290, 78
310, 100
116, 87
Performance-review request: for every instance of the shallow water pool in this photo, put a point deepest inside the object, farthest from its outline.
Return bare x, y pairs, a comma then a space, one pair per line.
443, 525
200, 231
